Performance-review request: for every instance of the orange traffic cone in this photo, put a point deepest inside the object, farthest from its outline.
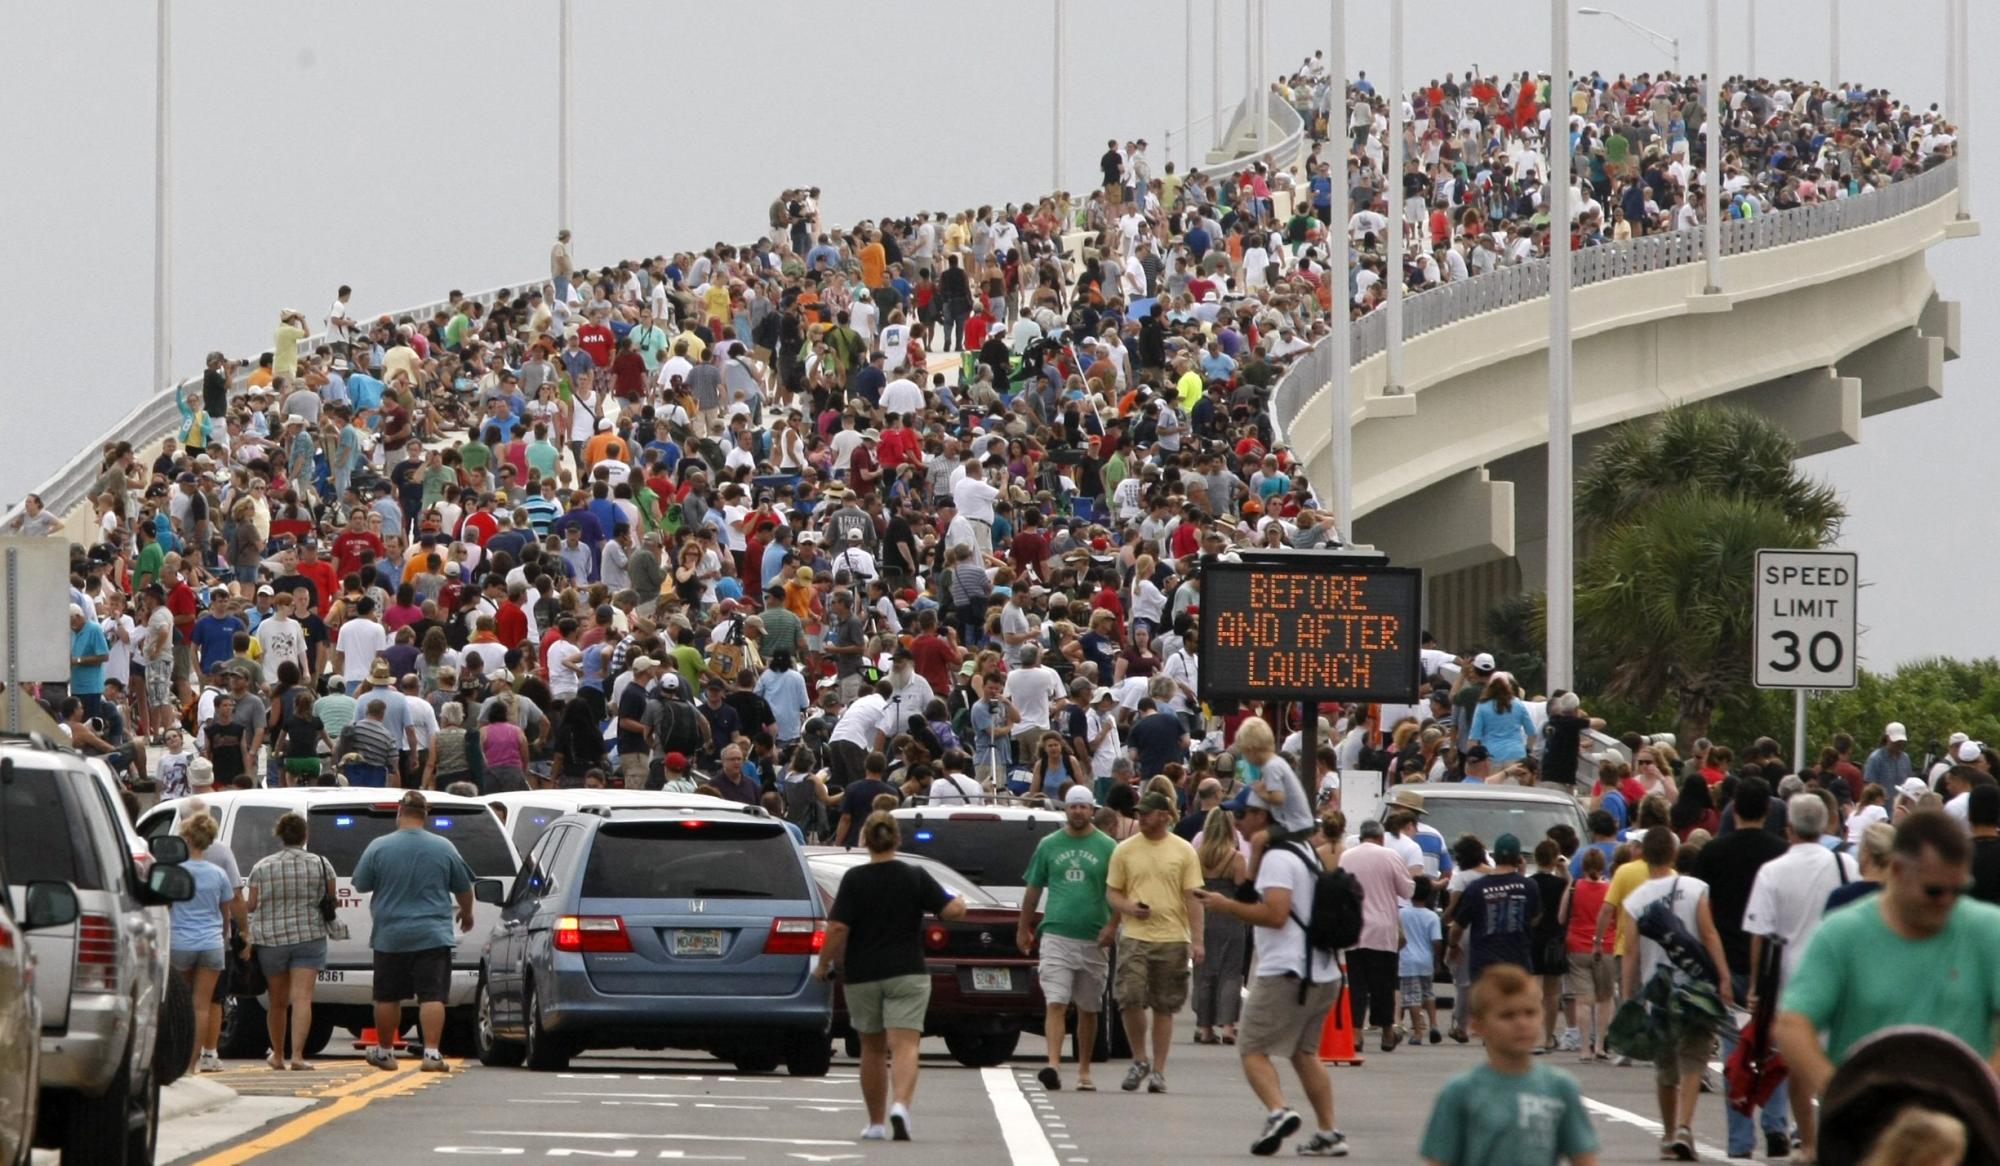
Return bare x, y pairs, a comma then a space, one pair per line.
369, 1038
1337, 1045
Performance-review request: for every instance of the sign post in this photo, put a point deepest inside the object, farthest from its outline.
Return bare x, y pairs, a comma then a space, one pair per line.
1806, 635
34, 620
1309, 626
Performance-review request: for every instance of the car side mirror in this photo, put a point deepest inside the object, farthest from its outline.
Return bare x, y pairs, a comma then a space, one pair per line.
489, 891
170, 884
169, 849
49, 904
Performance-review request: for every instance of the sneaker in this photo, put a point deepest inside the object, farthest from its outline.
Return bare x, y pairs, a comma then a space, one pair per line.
1156, 1083
875, 1134
382, 1058
1049, 1077
1777, 1144
1622, 1061
1668, 1151
1437, 1038
1711, 1082
1277, 1127
1332, 1145
899, 1122
1135, 1076
432, 1063
210, 1063
1683, 1145
1572, 1040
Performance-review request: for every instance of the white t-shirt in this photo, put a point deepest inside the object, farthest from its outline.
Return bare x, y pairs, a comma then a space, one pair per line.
1032, 690
565, 663
1788, 898
1687, 893
975, 498
359, 642
1281, 950
282, 639
420, 719
954, 789
902, 395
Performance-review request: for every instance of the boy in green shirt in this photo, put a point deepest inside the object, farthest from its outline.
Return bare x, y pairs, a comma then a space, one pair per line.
1509, 1111
1071, 865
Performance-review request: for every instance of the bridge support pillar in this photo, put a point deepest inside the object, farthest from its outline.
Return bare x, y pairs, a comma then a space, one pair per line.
1820, 408
1903, 368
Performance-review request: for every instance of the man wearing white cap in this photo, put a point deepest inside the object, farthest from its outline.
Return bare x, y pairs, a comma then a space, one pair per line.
1890, 764
1950, 758
1070, 866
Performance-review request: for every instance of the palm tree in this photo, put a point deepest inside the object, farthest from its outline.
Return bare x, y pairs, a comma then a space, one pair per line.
1680, 505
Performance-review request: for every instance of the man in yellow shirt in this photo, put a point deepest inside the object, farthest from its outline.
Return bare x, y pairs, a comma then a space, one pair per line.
1190, 386
285, 344
1151, 885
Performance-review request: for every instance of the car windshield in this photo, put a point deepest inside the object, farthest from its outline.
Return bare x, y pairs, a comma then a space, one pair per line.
36, 833
693, 859
1488, 818
992, 852
341, 834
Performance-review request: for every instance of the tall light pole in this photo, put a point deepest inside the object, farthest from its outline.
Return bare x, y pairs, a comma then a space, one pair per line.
1711, 194
163, 254
1187, 86
1561, 488
1393, 188
1962, 112
1056, 103
1670, 44
1750, 38
562, 117
1339, 358
1833, 42
1215, 126
1952, 35
1250, 71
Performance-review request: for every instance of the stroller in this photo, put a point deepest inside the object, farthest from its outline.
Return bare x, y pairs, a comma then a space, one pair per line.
1901, 1067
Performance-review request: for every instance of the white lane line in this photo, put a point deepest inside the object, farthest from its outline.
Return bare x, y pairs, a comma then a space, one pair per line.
541, 1101
717, 1097
1027, 1145
1627, 1117
612, 1137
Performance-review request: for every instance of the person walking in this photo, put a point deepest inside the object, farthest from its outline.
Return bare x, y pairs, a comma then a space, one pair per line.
413, 876
1218, 982
1293, 987
1493, 919
197, 927
289, 935
1069, 867
1152, 886
1588, 982
874, 939
1510, 1109
1372, 962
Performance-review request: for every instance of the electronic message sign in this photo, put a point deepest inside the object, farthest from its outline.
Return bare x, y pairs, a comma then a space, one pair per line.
1306, 627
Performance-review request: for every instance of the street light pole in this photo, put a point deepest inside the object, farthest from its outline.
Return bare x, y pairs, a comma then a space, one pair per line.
1187, 87
1671, 44
1392, 283
1215, 126
163, 253
1711, 194
1833, 42
1750, 38
1561, 488
563, 117
1339, 356
1962, 113
1056, 126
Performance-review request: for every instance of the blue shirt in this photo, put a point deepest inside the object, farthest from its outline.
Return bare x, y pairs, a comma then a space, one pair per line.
1421, 933
785, 692
215, 637
1608, 848
197, 922
365, 391
1505, 734
88, 679
412, 875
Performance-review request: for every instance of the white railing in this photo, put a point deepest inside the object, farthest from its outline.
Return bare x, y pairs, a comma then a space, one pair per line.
1507, 286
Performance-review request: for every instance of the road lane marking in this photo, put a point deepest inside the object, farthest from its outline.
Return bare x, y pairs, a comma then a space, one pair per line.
603, 1137
712, 1097
349, 1098
1027, 1145
1627, 1117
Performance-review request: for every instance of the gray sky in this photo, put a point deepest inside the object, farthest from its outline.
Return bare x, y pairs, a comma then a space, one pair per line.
318, 144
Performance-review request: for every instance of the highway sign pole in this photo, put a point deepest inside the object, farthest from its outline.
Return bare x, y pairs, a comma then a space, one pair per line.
1339, 372
1798, 730
562, 115
1806, 632
163, 248
1561, 568
1393, 188
1056, 129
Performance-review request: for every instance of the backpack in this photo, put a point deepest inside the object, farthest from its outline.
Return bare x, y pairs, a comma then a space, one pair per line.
1334, 923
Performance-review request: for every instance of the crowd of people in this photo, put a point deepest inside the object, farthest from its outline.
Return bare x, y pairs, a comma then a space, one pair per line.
916, 507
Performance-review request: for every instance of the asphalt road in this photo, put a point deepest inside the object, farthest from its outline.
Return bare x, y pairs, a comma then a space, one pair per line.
649, 1108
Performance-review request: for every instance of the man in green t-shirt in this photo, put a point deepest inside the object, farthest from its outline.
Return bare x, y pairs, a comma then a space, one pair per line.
1920, 952
1071, 865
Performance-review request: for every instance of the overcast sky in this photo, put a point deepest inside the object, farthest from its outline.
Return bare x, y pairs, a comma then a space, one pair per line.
408, 149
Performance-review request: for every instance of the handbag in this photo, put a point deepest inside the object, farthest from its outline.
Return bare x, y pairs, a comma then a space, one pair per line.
329, 907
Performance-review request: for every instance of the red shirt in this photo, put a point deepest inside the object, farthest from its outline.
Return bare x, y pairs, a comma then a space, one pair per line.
324, 581
628, 376
549, 638
934, 658
862, 459
348, 546
898, 447
595, 340
182, 603
1186, 540
1030, 550
510, 624
478, 527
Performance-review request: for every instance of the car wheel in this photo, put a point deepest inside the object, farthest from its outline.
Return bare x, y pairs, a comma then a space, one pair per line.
493, 1051
173, 1049
244, 1036
810, 1055
319, 1036
982, 1049
105, 1130
142, 1130
850, 1045
461, 1032
754, 1060
541, 1051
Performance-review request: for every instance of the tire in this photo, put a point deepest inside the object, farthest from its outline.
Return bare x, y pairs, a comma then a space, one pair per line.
118, 1128
756, 1060
542, 1052
850, 1045
982, 1049
173, 1048
810, 1055
319, 1035
142, 1136
493, 1052
244, 1035
460, 1037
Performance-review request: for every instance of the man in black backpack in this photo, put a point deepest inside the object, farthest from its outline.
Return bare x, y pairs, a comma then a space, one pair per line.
1296, 982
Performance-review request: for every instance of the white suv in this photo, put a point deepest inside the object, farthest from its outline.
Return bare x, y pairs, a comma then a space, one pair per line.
340, 823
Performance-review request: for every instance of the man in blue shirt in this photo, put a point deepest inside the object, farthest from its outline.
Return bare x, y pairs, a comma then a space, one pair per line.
413, 876
215, 633
88, 649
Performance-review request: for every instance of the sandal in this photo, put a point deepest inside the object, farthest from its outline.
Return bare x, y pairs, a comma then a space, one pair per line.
1086, 1087
302, 1066
1229, 1038
276, 1062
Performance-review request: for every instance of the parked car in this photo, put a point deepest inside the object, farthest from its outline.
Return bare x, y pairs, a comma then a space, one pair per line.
48, 904
692, 927
988, 844
340, 823
984, 991
528, 814
1526, 812
108, 1015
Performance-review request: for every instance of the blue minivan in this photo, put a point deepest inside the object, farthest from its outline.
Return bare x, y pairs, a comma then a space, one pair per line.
655, 928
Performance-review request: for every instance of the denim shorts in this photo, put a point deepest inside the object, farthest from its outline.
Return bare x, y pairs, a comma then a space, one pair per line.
278, 958
187, 959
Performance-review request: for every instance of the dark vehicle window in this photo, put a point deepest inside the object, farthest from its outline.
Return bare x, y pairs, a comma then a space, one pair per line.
1489, 819
990, 852
250, 839
342, 834
693, 860
531, 822
40, 840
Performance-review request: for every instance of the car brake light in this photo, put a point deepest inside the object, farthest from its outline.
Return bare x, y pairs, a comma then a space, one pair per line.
592, 933
795, 937
935, 937
6, 939
96, 954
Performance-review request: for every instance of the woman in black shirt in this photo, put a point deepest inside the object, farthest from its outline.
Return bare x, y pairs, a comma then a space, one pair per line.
875, 937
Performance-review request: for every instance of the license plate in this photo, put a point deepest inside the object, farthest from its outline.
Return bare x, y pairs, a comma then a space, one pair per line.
992, 980
697, 943
332, 977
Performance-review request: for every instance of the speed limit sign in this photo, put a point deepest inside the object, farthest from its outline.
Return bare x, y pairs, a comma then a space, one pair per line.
1805, 619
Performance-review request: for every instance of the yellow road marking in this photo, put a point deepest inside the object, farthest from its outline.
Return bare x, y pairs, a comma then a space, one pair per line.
348, 1098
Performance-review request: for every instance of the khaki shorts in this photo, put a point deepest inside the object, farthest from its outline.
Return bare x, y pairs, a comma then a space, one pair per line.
897, 1002
1587, 978
1277, 1023
633, 768
1688, 1059
1152, 975
1073, 971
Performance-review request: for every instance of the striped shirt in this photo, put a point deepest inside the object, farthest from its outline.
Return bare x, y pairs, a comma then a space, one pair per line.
541, 512
288, 886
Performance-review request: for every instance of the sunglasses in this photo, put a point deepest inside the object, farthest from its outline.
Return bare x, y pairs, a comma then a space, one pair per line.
1939, 891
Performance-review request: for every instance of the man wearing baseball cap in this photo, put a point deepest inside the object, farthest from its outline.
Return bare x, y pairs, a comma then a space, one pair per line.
1494, 912
634, 738
1890, 764
1153, 878
1070, 866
